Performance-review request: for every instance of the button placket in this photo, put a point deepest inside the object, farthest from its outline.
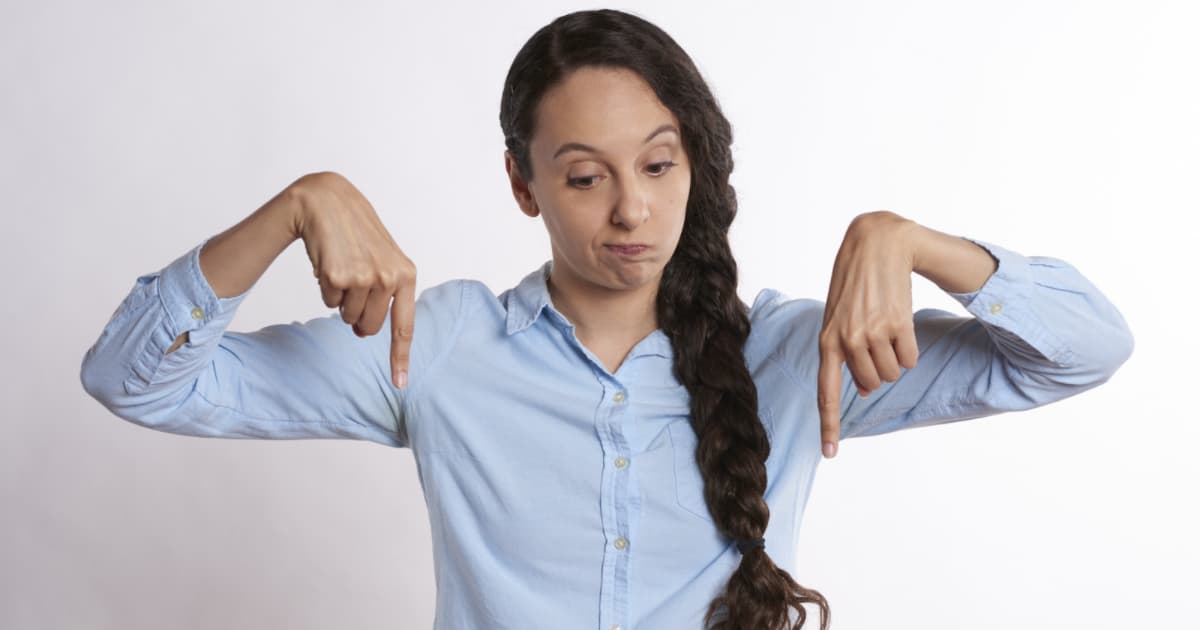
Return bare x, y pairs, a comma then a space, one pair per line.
616, 410
620, 462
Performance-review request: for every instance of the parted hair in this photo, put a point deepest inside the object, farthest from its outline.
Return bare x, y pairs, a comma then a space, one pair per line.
697, 304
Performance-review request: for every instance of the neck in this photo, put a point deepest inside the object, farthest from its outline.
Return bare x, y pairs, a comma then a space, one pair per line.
605, 314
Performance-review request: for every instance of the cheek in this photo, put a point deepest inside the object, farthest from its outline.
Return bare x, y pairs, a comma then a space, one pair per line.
679, 203
570, 225
680, 189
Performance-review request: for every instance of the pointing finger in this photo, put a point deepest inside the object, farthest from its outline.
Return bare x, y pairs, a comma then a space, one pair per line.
829, 387
403, 307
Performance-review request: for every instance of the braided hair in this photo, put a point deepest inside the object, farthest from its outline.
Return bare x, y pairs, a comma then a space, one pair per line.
697, 305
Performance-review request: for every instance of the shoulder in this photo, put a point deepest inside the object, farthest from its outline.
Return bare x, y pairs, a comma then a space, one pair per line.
457, 295
441, 313
783, 325
455, 303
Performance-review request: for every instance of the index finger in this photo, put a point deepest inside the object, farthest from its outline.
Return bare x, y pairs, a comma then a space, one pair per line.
403, 307
829, 388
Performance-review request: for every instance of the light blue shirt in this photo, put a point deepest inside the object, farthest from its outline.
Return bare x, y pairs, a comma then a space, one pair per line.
561, 495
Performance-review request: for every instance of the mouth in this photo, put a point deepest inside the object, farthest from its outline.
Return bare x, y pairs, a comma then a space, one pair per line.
627, 250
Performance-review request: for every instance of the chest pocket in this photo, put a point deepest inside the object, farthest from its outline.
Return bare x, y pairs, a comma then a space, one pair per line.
689, 484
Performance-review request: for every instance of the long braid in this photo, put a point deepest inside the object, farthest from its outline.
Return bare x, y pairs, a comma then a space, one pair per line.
708, 324
697, 304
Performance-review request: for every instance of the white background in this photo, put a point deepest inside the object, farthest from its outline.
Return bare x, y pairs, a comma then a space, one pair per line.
130, 131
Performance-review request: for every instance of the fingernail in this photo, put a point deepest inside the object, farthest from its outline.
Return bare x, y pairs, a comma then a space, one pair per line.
401, 378
829, 450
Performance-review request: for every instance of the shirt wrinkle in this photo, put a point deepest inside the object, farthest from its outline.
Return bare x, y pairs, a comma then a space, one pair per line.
559, 495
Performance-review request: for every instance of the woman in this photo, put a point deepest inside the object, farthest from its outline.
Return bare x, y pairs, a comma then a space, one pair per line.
603, 445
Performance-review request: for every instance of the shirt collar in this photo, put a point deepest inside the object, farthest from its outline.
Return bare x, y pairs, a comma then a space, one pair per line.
528, 299
532, 295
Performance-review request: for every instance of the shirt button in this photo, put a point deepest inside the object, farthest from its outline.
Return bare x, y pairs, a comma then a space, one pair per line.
197, 313
619, 397
996, 308
621, 543
621, 462
614, 627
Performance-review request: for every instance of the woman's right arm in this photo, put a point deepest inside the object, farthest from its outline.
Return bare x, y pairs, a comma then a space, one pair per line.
166, 361
234, 260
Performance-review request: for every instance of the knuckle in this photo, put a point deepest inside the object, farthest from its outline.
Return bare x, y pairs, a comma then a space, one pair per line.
855, 339
335, 279
328, 176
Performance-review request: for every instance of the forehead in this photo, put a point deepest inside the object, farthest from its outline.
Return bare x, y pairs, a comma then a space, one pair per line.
610, 108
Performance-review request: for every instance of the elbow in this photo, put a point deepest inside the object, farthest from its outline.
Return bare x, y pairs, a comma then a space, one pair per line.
106, 384
1113, 343
102, 380
1097, 362
96, 381
1114, 348
1123, 349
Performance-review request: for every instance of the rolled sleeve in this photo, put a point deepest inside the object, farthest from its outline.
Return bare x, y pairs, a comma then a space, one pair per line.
188, 304
1006, 302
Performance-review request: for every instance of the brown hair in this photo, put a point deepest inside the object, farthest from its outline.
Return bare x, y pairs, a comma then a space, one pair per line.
697, 304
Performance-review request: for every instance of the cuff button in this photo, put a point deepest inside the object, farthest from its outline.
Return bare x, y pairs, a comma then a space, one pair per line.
996, 308
197, 313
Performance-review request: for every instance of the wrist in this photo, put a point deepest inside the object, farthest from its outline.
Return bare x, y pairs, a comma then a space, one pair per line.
291, 209
893, 228
918, 239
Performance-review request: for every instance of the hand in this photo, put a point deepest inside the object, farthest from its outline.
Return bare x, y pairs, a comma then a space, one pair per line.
868, 314
358, 266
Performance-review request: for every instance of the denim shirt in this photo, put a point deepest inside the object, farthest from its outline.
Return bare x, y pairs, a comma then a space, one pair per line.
561, 495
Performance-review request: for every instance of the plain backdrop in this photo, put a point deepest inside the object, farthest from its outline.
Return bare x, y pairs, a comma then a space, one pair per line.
130, 131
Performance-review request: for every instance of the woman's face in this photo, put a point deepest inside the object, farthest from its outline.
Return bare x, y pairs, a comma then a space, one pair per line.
609, 169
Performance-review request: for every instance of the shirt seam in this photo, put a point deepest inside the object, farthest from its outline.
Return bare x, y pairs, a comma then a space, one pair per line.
408, 400
363, 432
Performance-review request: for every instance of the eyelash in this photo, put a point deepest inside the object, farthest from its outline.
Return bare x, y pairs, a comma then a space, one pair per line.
574, 181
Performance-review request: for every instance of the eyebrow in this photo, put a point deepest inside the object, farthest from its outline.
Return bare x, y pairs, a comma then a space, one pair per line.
579, 146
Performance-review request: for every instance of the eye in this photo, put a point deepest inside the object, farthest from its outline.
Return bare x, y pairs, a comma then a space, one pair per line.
575, 181
584, 182
666, 166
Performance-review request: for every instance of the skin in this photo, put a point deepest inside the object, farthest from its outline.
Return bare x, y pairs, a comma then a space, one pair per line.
868, 323
624, 195
620, 193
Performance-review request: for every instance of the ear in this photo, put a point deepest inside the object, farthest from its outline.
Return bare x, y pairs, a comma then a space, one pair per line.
520, 190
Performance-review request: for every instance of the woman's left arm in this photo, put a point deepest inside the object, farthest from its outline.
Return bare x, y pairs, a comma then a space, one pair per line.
1040, 332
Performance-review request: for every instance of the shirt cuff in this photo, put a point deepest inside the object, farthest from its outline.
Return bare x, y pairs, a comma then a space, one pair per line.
190, 302
1007, 300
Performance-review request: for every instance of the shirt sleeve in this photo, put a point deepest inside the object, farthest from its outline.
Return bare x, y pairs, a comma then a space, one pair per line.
315, 379
1039, 332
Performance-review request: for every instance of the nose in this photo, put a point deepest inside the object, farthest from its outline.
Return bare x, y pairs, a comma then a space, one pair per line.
632, 209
